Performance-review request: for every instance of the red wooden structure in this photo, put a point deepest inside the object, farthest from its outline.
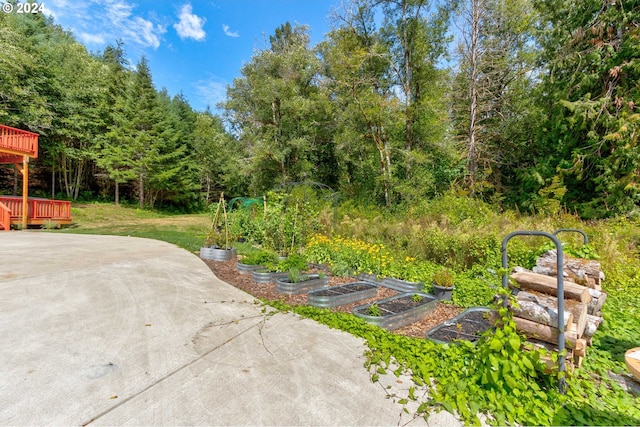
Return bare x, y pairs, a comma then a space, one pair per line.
39, 211
17, 147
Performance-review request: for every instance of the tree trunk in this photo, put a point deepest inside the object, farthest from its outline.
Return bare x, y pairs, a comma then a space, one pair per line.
117, 193
407, 88
79, 172
208, 195
473, 91
65, 175
383, 167
548, 285
141, 191
53, 182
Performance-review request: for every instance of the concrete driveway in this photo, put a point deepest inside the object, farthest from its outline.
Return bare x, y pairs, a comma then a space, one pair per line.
127, 331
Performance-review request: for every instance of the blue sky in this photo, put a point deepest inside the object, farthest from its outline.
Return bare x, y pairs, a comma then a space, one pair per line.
195, 47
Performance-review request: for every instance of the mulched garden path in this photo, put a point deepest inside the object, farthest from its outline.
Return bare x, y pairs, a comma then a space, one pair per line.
227, 272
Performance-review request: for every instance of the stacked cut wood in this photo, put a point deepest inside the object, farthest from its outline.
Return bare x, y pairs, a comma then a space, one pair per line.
537, 313
584, 272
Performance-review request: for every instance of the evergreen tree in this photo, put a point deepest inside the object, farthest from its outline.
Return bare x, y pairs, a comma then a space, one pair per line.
110, 151
591, 53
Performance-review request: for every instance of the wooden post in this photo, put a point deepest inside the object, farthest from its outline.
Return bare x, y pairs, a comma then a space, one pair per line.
25, 190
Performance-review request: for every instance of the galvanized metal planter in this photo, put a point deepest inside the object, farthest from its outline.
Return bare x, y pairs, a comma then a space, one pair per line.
398, 311
401, 285
248, 268
343, 294
285, 286
217, 254
369, 278
266, 276
468, 325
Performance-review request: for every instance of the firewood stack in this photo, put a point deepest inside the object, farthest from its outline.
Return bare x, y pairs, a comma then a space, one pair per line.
537, 315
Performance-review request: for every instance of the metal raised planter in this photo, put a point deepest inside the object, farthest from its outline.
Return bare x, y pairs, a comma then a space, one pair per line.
392, 318
248, 268
285, 286
369, 278
468, 325
217, 254
265, 276
401, 285
342, 294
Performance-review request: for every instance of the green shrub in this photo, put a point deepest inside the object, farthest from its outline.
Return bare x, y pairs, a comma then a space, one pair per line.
292, 262
248, 224
264, 258
476, 287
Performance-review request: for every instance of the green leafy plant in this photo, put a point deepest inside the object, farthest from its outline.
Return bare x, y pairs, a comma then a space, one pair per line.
374, 310
443, 278
263, 258
416, 298
292, 262
296, 276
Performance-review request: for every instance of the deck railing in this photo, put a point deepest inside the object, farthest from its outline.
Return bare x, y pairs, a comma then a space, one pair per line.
17, 141
5, 217
39, 210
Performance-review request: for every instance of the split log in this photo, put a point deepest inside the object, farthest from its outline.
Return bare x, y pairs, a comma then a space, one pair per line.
581, 348
597, 301
549, 285
540, 308
579, 311
593, 322
585, 272
546, 333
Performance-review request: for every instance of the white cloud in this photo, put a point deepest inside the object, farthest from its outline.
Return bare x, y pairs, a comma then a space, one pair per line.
91, 38
143, 32
105, 21
225, 28
190, 25
211, 91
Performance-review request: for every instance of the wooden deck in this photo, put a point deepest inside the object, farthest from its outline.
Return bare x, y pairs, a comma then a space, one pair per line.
17, 146
39, 212
17, 142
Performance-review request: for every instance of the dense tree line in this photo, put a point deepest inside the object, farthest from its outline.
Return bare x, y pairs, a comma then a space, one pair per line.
534, 106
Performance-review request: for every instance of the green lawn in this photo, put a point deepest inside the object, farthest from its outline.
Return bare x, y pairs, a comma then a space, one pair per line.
186, 231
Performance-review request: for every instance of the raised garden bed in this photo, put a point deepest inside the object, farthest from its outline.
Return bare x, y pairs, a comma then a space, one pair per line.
265, 276
468, 325
342, 294
217, 254
248, 268
397, 311
401, 285
285, 286
369, 278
